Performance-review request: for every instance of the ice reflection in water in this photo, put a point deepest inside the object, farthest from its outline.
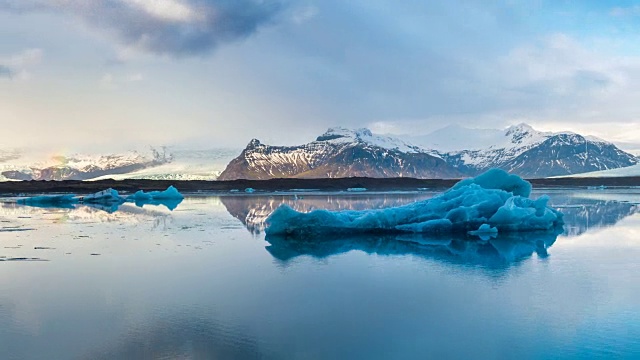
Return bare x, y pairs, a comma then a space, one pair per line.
201, 286
581, 215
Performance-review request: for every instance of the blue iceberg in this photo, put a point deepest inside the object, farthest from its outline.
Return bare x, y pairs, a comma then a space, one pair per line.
170, 194
495, 198
65, 201
108, 199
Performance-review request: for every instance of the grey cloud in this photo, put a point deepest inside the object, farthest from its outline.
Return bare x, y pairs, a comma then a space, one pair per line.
6, 72
169, 27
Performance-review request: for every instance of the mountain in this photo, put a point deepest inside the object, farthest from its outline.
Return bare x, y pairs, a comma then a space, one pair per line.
185, 164
164, 164
530, 153
337, 153
453, 151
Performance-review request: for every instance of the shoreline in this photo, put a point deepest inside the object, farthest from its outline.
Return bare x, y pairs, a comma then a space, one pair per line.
337, 184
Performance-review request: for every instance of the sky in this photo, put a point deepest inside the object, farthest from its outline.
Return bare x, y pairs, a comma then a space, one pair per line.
106, 74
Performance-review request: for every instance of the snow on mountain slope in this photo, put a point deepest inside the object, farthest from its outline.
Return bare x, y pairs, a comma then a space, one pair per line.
527, 152
163, 164
339, 152
628, 171
29, 166
519, 149
184, 165
341, 135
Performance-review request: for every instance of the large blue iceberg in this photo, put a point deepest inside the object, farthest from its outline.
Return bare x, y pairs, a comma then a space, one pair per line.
494, 199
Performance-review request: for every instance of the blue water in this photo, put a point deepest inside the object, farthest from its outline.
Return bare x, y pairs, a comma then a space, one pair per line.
201, 282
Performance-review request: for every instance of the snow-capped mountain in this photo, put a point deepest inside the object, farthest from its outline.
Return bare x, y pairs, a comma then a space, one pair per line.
530, 153
184, 165
339, 153
450, 152
163, 164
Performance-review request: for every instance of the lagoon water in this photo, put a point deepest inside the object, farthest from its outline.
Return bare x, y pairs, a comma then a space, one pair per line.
201, 282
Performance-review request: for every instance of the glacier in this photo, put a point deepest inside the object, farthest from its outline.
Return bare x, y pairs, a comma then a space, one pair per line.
495, 198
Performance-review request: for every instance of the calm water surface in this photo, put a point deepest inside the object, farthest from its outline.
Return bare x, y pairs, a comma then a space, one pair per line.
201, 282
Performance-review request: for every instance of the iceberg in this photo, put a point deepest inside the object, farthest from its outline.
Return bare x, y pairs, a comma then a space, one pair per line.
108, 196
494, 198
108, 199
49, 200
170, 194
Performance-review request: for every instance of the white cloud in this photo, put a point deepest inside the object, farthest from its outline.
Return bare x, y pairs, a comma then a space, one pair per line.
170, 10
304, 14
111, 81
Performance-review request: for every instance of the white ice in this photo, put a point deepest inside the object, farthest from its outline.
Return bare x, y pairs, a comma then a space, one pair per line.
495, 198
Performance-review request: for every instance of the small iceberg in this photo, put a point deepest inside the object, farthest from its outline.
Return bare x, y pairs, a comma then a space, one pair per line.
485, 232
495, 199
170, 194
108, 196
108, 199
357, 189
49, 200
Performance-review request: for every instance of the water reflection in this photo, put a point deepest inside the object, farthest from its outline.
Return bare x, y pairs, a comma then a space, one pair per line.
252, 211
494, 253
170, 204
12, 213
581, 214
183, 337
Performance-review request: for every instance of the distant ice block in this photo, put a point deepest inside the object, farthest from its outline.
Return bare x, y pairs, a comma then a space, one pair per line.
170, 194
49, 200
495, 198
108, 196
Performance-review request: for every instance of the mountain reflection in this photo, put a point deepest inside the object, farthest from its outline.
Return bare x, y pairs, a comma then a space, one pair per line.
580, 214
252, 211
583, 215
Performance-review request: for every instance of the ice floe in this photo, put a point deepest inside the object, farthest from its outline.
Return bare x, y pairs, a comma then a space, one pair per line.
108, 199
495, 199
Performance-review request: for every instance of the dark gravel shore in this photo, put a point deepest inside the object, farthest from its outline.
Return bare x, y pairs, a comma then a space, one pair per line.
387, 184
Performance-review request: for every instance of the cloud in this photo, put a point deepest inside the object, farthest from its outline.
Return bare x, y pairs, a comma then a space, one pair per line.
112, 81
16, 65
6, 72
166, 27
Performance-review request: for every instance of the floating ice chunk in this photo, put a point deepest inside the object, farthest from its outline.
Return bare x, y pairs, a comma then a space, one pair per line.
108, 196
357, 189
485, 232
494, 198
501, 180
484, 229
170, 194
49, 200
108, 199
